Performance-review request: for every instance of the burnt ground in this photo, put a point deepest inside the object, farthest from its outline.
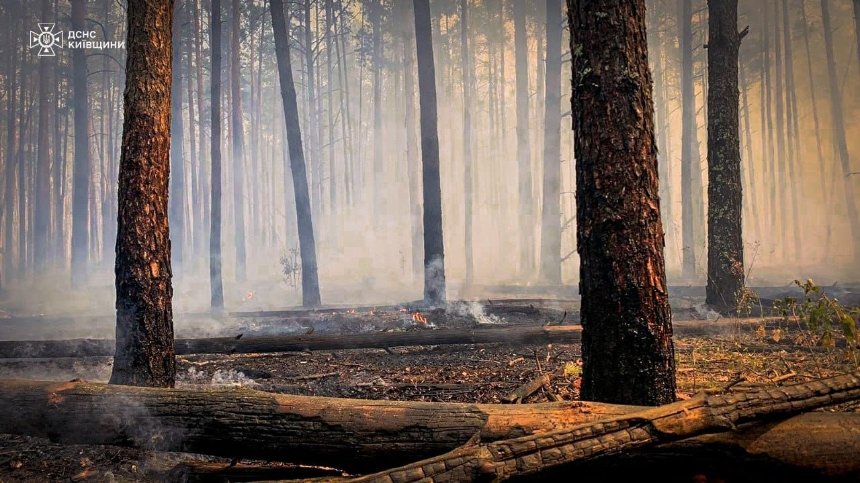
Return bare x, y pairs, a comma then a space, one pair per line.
784, 352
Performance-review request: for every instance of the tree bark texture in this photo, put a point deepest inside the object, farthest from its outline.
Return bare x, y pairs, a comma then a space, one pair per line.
627, 349
725, 203
530, 455
361, 435
434, 249
144, 315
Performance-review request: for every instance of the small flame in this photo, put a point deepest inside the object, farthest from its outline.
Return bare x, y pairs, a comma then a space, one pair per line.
418, 317
249, 296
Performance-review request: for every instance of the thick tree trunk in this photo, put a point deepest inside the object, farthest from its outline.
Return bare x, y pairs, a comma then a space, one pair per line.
524, 160
689, 142
177, 160
530, 455
358, 435
81, 174
725, 203
468, 183
237, 129
550, 254
307, 246
434, 250
144, 314
216, 286
838, 128
627, 326
42, 214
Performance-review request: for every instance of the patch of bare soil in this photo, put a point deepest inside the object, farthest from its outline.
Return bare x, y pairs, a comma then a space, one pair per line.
736, 355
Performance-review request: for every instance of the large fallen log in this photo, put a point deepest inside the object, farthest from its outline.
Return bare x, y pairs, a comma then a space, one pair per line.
355, 435
703, 414
512, 334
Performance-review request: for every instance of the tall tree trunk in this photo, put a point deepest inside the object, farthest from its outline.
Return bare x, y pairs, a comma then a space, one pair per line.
9, 160
144, 315
412, 151
378, 165
238, 132
524, 161
215, 282
781, 179
195, 218
689, 142
725, 203
203, 210
307, 247
793, 149
628, 356
468, 93
819, 143
177, 160
749, 165
42, 215
664, 160
767, 154
81, 174
838, 128
550, 258
434, 249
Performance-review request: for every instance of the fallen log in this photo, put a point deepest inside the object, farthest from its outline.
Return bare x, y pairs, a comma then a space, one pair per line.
355, 435
358, 435
528, 455
512, 334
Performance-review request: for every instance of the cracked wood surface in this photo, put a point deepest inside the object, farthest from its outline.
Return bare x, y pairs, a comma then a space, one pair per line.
703, 414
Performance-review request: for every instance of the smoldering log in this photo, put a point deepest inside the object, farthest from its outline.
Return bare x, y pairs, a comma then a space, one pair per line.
364, 435
298, 343
646, 428
511, 334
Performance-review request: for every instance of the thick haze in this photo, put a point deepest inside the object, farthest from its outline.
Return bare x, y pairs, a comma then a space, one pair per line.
352, 127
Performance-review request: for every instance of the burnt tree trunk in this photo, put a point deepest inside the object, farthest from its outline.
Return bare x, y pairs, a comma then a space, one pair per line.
627, 349
307, 247
363, 435
216, 286
81, 172
550, 254
725, 203
144, 315
434, 250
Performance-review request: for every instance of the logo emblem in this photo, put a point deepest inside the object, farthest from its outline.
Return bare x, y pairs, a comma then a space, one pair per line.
46, 39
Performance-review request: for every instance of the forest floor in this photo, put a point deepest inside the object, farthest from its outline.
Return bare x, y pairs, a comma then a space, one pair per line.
735, 352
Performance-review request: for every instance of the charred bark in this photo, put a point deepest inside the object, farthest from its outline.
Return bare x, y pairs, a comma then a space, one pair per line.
144, 315
307, 246
434, 250
725, 203
627, 346
529, 455
369, 435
